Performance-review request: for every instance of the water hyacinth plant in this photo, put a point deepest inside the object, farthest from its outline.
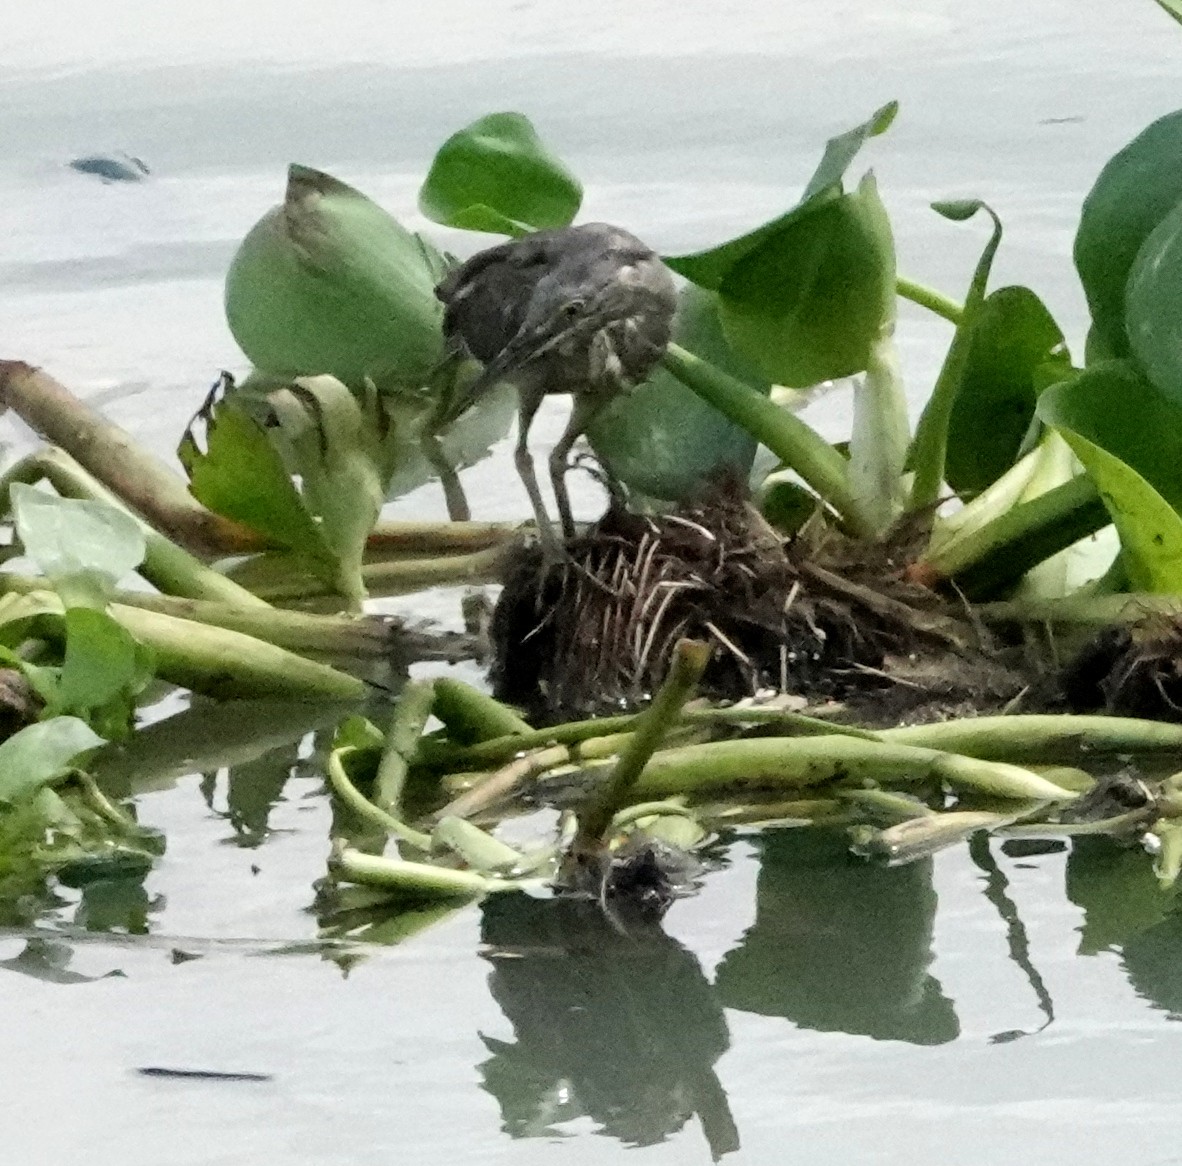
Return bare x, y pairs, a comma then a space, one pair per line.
808, 297
137, 580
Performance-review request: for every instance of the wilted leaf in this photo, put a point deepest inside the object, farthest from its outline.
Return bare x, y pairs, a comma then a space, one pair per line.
497, 175
1135, 192
328, 282
242, 476
40, 753
663, 439
1015, 349
1104, 414
78, 543
339, 444
464, 442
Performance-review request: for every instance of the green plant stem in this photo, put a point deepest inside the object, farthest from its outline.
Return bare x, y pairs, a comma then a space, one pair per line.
409, 718
229, 665
449, 757
885, 805
1128, 823
1168, 862
342, 635
929, 298
167, 566
1037, 737
434, 539
1000, 497
498, 785
476, 847
922, 837
471, 715
280, 577
797, 762
781, 812
414, 880
1002, 550
641, 810
795, 443
930, 449
686, 666
141, 480
101, 804
352, 797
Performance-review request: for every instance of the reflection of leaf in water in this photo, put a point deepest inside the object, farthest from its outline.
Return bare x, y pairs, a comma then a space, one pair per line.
839, 945
115, 905
1127, 909
1153, 962
205, 737
252, 791
620, 1027
1117, 890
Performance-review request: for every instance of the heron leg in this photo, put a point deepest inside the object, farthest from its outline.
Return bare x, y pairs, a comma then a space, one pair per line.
584, 407
530, 401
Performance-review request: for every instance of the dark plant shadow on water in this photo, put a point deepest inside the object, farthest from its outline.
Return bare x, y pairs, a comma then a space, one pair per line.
996, 889
619, 1025
48, 960
838, 944
252, 789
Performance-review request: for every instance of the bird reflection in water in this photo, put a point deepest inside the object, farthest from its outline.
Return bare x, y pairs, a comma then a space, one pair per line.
612, 1023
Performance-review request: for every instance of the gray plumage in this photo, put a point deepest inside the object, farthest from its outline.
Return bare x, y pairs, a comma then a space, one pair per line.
583, 310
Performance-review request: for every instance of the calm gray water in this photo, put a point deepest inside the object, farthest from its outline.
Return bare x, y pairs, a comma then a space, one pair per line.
987, 1008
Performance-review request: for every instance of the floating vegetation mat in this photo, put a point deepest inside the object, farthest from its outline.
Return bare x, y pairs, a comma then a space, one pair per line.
640, 795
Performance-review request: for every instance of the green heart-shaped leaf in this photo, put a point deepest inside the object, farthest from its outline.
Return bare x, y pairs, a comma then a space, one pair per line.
497, 175
1015, 349
1136, 190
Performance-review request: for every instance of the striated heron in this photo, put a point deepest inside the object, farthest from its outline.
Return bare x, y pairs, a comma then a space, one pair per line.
583, 310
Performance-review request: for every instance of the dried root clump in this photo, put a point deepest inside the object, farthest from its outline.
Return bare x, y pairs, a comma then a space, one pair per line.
1134, 670
816, 616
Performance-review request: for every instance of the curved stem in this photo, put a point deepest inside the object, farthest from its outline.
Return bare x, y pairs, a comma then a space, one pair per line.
797, 445
930, 448
364, 808
927, 297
